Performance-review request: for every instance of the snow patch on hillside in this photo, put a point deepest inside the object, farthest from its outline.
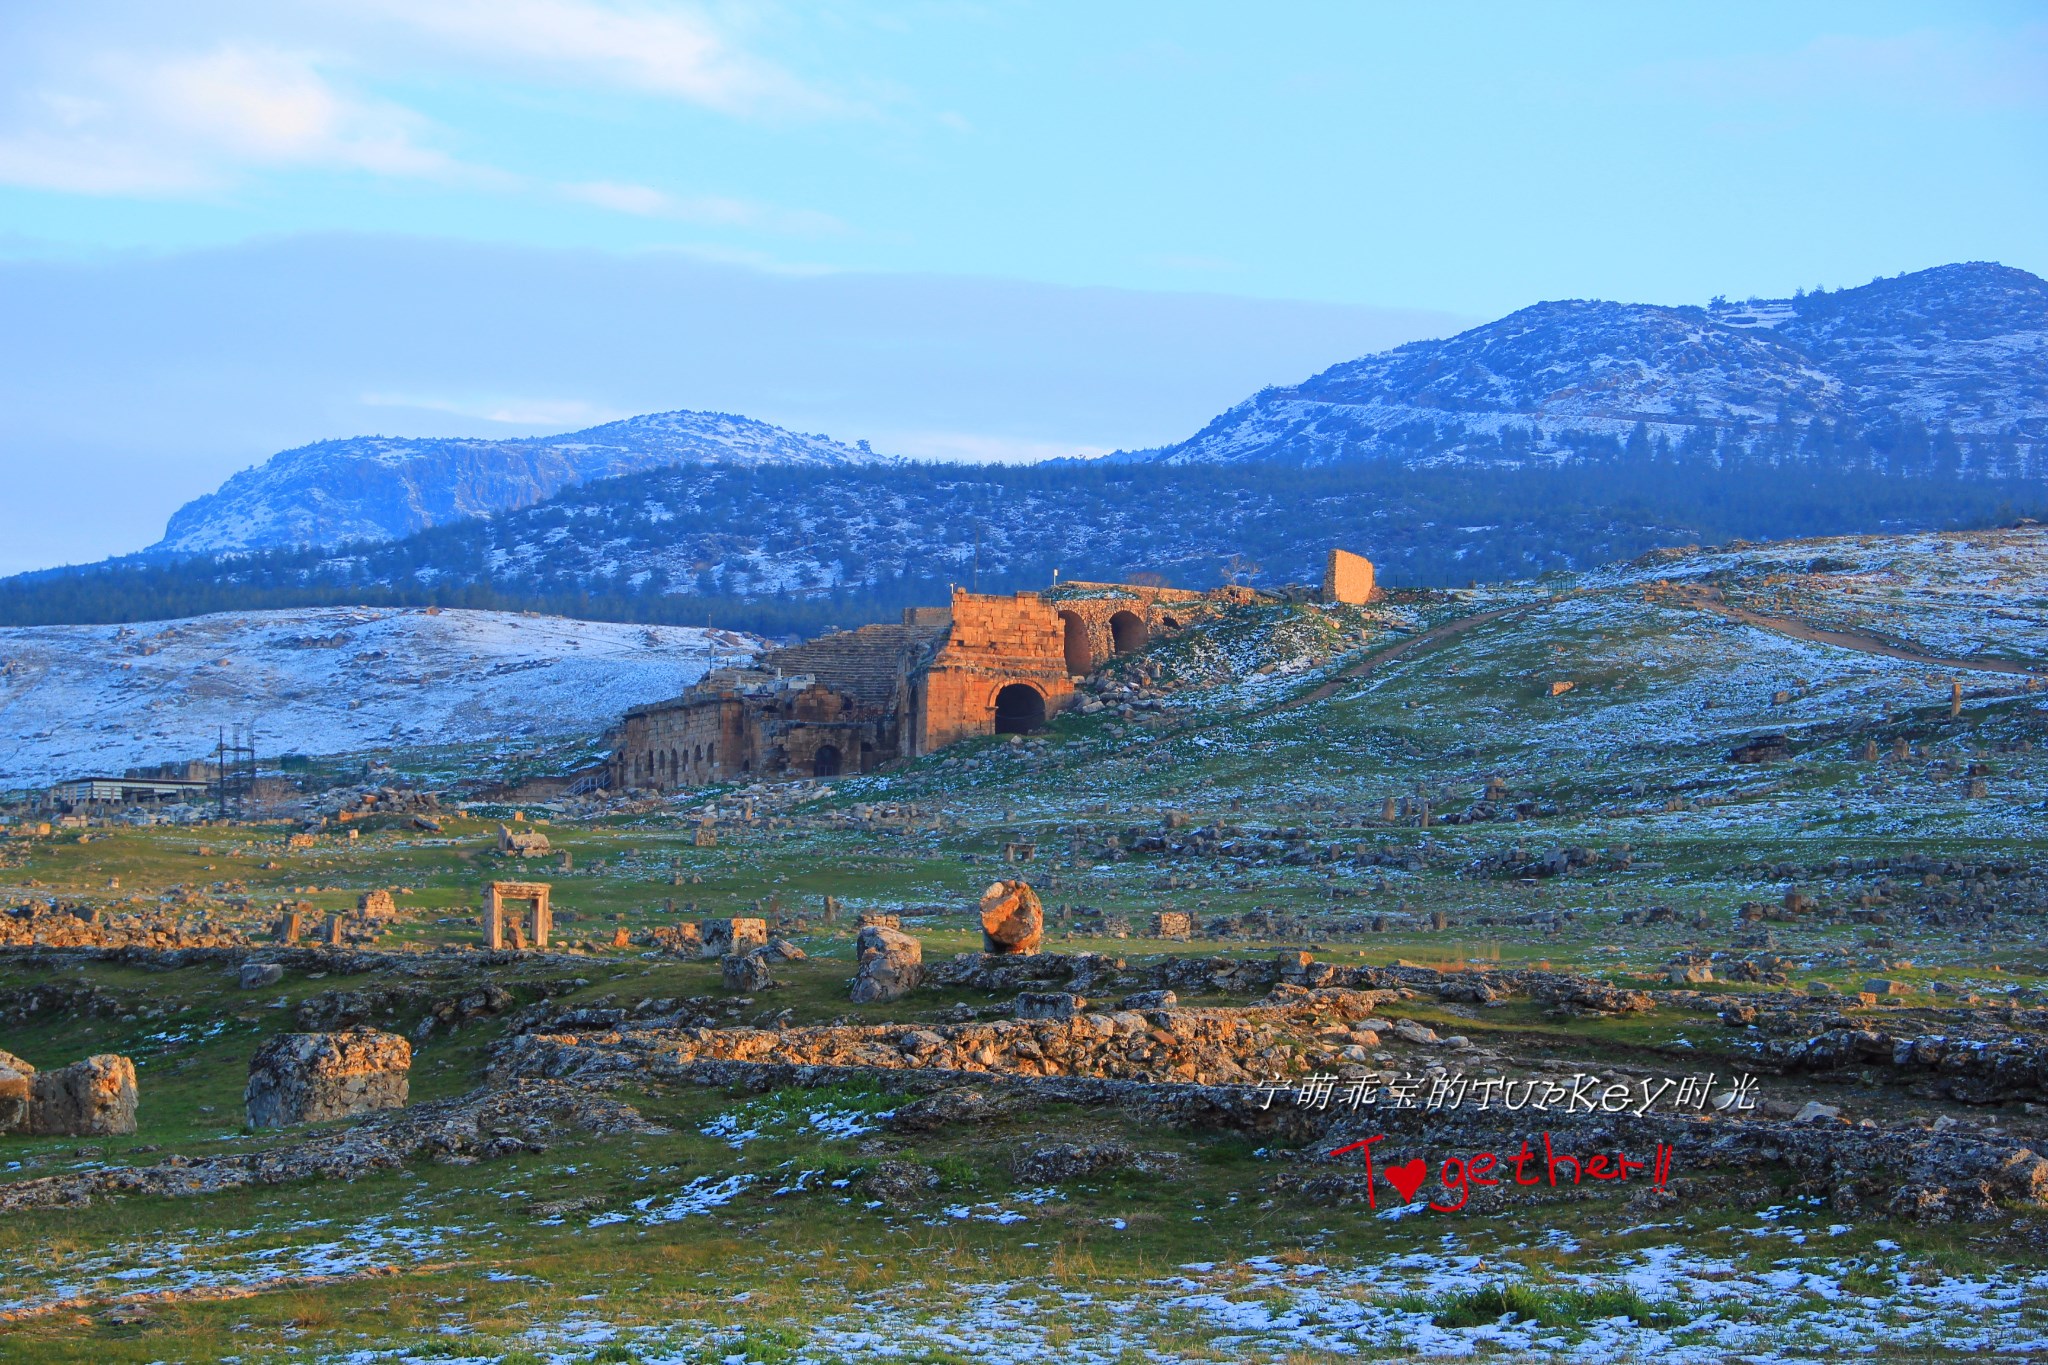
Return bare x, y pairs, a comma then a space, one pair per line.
80, 700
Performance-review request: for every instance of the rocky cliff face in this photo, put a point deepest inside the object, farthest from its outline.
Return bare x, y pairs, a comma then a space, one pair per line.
377, 488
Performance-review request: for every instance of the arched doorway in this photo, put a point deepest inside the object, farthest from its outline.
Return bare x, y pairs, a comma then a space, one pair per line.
1080, 654
1019, 710
825, 762
1127, 629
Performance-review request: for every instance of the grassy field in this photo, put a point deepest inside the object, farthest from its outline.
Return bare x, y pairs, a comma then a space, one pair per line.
752, 1226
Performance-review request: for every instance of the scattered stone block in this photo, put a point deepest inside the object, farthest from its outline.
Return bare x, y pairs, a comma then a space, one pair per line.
1176, 924
1764, 748
1813, 1111
1049, 1005
782, 950
1149, 1000
878, 920
1408, 1031
256, 975
92, 1098
746, 973
1012, 920
17, 1093
891, 965
1881, 986
527, 843
730, 937
1690, 974
313, 1077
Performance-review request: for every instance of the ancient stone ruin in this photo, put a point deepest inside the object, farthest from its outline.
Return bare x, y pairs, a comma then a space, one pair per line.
730, 937
376, 904
501, 931
312, 1077
1012, 920
92, 1098
891, 965
524, 844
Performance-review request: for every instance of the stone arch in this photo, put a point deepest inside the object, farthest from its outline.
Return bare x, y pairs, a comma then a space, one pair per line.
1127, 630
1170, 623
1019, 709
825, 761
1080, 649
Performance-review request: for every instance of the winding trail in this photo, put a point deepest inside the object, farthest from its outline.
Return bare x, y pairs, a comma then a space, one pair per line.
1706, 599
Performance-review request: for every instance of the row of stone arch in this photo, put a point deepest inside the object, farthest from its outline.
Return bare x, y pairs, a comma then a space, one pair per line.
1128, 634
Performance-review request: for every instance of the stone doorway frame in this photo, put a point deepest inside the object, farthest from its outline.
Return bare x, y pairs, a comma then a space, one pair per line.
539, 919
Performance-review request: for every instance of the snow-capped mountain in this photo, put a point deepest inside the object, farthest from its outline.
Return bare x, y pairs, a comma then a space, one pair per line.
95, 700
1563, 436
1960, 347
381, 488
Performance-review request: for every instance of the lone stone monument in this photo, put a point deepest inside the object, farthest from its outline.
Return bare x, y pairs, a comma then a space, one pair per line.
1012, 920
540, 917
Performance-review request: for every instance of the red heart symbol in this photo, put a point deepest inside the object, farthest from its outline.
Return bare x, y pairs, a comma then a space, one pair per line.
1407, 1177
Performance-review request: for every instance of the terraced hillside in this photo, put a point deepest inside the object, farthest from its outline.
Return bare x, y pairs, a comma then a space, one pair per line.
1769, 815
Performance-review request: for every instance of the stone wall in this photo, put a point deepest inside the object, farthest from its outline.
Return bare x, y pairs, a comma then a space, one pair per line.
995, 642
1205, 1047
46, 927
1348, 578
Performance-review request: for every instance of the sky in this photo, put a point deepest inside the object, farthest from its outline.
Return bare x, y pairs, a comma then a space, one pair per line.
974, 230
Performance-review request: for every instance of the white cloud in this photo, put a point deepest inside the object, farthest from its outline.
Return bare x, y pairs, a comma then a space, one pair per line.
714, 210
664, 49
171, 124
968, 447
553, 414
1939, 70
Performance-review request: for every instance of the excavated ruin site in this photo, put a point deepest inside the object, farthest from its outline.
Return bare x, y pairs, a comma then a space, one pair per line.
1641, 965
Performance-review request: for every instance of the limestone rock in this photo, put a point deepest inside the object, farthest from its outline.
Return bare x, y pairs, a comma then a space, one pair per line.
782, 950
1408, 1031
891, 965
1149, 1000
1690, 974
1069, 1161
95, 1097
17, 1093
746, 973
311, 1077
1881, 986
728, 937
1012, 920
256, 975
1049, 1005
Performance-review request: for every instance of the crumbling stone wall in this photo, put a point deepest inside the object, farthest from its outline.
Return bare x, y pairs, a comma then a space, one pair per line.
1207, 1047
43, 926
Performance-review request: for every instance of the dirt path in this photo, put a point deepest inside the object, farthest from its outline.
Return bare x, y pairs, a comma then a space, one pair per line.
1448, 630
1706, 600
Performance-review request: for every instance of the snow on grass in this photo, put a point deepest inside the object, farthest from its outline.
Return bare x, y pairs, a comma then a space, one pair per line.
86, 700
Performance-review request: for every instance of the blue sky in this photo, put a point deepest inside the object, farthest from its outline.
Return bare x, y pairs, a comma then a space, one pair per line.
1364, 173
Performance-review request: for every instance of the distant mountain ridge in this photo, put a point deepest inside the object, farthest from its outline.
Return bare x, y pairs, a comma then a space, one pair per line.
1566, 435
1961, 348
372, 488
